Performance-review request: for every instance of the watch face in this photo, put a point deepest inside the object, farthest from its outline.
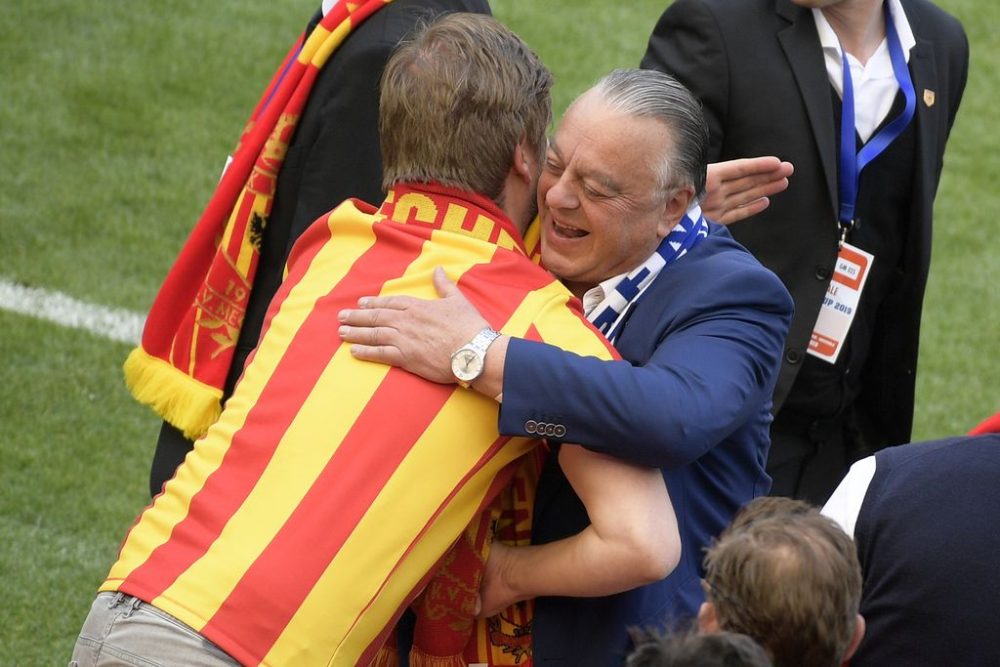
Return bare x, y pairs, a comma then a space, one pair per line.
466, 365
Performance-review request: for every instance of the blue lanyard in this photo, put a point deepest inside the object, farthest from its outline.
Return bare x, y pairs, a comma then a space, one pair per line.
852, 163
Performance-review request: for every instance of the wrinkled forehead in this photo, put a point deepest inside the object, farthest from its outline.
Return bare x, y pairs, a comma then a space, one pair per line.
597, 137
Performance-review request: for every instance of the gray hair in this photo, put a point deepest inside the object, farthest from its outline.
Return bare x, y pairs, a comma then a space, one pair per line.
650, 94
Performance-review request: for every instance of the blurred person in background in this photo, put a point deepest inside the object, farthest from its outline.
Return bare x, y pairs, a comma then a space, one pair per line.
789, 577
693, 649
924, 517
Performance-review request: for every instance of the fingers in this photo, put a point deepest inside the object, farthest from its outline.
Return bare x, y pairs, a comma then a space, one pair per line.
755, 187
756, 206
368, 317
749, 166
767, 166
442, 284
744, 211
367, 335
383, 354
387, 302
742, 174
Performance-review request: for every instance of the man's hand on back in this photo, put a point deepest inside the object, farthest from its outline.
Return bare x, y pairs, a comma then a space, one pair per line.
418, 335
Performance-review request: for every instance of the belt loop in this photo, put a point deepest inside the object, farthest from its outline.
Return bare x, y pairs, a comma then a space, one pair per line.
116, 600
133, 604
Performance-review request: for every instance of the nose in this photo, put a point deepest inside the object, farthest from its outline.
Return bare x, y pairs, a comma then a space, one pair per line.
561, 194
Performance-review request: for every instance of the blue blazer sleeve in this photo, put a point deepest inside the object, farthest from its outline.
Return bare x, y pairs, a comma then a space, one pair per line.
702, 349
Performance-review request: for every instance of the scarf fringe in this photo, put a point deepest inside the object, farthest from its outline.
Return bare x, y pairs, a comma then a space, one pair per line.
386, 657
420, 659
184, 402
221, 251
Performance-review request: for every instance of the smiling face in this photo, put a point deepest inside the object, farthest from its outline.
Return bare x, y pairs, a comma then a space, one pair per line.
602, 207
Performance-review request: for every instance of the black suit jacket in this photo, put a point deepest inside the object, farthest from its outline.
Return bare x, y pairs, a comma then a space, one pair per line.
758, 68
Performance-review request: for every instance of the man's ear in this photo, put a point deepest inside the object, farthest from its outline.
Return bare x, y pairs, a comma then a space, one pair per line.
708, 622
524, 161
673, 208
859, 634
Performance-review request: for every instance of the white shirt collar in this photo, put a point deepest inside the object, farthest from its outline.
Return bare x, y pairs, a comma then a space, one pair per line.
595, 295
828, 38
844, 505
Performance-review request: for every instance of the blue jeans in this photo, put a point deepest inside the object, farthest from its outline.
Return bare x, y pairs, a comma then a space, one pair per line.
123, 630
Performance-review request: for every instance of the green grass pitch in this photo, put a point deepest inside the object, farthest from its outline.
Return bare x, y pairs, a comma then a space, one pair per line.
115, 119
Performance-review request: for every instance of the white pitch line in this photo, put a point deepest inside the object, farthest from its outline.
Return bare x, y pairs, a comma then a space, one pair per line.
117, 324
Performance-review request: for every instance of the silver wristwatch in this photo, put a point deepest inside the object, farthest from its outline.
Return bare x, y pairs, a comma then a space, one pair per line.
468, 361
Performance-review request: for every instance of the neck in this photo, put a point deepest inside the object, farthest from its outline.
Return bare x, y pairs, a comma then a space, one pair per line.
519, 216
577, 289
859, 24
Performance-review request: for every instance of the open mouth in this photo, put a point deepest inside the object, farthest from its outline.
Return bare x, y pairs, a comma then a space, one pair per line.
567, 232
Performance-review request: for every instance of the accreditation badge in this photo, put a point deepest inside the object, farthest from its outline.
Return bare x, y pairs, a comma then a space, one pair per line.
840, 304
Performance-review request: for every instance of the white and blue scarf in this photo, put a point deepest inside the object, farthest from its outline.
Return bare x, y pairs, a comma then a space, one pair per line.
609, 314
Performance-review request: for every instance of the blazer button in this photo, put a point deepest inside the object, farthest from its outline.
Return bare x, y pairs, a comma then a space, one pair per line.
531, 426
560, 431
822, 273
550, 430
793, 356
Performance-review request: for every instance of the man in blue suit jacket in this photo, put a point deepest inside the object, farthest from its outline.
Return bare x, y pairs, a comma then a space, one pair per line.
699, 322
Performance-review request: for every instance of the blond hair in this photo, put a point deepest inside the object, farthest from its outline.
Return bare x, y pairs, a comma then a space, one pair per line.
456, 100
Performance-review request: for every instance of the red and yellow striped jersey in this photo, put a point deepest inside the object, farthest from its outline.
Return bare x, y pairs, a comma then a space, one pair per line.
311, 512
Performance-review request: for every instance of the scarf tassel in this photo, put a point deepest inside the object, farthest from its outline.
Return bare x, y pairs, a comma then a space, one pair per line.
386, 657
420, 659
188, 404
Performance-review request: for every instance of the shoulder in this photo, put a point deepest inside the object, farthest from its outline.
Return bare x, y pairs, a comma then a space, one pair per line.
720, 265
398, 19
349, 214
386, 28
549, 313
724, 13
718, 288
929, 21
955, 452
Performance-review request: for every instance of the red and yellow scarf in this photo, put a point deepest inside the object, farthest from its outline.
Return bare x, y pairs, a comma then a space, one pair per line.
187, 347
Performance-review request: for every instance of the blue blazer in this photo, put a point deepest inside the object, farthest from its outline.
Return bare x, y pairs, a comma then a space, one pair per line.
701, 349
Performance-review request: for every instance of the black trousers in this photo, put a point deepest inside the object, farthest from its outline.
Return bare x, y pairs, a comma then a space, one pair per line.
171, 448
808, 456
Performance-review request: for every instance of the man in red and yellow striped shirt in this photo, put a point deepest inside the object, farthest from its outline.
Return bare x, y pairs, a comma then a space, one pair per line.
319, 504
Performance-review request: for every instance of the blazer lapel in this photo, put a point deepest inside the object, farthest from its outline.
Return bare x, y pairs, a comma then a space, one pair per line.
805, 57
928, 127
